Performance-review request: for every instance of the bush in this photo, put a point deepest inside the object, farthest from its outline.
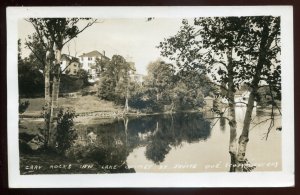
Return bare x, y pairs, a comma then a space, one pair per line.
31, 81
66, 133
84, 75
70, 84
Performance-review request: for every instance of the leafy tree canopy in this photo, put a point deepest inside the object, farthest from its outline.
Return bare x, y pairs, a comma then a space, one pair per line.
206, 44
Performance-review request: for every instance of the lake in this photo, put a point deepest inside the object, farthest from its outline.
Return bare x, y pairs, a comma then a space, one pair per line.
182, 142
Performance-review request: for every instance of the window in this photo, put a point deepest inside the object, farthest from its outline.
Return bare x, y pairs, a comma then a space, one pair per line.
90, 58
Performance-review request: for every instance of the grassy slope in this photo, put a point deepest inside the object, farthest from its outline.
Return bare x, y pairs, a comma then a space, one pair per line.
80, 104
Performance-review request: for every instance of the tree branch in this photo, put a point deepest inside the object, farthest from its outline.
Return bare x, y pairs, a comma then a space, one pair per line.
88, 25
35, 25
35, 54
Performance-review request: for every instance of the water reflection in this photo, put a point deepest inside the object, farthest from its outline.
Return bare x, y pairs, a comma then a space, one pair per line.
223, 124
111, 143
183, 139
170, 131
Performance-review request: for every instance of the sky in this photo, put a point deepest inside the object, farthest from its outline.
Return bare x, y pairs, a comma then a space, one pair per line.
135, 39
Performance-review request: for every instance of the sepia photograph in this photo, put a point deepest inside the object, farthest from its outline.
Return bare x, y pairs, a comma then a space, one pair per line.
159, 92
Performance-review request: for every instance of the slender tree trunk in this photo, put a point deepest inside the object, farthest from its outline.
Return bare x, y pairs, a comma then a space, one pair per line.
126, 100
49, 60
232, 116
54, 101
127, 94
47, 108
47, 84
264, 47
47, 99
233, 136
126, 105
126, 120
244, 137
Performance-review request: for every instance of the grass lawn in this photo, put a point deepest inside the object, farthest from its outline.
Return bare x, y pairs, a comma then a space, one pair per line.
81, 104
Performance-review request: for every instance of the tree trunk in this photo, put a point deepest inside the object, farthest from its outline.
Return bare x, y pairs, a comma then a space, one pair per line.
126, 105
47, 84
49, 60
232, 117
126, 108
47, 99
244, 137
126, 120
264, 47
54, 101
233, 134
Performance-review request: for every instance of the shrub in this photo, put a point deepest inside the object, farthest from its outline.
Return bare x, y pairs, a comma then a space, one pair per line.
31, 81
66, 133
70, 84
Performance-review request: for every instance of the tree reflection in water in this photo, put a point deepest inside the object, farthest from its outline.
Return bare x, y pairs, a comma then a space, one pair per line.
172, 130
223, 124
108, 150
158, 133
152, 137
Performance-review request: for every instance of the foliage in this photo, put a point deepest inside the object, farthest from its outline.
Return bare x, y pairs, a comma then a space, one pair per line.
52, 34
164, 88
266, 97
102, 64
58, 30
70, 84
185, 98
144, 100
206, 45
160, 77
233, 51
114, 80
30, 79
83, 74
66, 133
107, 88
38, 51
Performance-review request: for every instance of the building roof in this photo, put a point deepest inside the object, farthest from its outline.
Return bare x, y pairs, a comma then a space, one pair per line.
94, 53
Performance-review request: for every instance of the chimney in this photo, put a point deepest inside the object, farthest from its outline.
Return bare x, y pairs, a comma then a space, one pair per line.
103, 52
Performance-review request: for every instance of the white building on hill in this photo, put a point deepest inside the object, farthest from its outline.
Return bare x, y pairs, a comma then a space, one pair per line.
88, 63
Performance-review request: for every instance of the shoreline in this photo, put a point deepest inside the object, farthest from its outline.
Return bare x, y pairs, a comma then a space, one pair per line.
108, 114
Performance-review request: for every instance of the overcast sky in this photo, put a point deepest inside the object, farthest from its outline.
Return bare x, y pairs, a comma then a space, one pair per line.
131, 38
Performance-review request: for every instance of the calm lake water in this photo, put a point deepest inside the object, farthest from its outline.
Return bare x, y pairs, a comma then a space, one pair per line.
183, 142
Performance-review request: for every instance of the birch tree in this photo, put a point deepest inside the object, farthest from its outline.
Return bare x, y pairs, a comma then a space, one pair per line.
54, 34
232, 51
